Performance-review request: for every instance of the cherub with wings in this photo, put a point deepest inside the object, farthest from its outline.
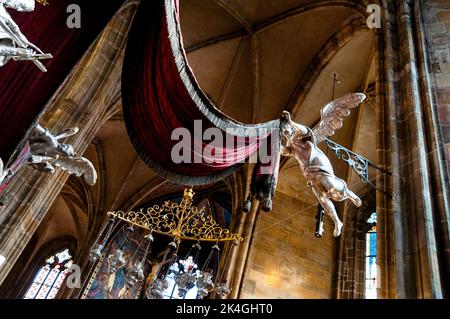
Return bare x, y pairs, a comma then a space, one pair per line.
302, 143
47, 152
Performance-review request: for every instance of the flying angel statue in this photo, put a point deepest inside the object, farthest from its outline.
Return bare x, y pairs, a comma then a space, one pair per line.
302, 143
13, 43
47, 152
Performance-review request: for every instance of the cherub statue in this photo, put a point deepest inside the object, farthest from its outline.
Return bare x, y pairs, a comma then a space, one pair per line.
13, 44
47, 152
302, 143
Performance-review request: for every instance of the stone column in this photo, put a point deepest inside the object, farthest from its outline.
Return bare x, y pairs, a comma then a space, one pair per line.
243, 224
436, 126
408, 250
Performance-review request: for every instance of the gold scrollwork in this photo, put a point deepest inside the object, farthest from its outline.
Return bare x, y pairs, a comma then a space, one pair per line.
181, 221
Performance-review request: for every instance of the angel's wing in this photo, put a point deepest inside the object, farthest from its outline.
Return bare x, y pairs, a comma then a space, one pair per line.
78, 166
332, 115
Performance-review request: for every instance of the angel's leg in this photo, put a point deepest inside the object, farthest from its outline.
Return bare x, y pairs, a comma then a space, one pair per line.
354, 198
329, 208
338, 190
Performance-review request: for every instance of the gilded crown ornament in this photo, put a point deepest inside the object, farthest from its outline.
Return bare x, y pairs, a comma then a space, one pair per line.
182, 221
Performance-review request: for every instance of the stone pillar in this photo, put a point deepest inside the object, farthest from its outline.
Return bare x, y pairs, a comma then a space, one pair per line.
408, 240
433, 41
79, 102
387, 150
243, 224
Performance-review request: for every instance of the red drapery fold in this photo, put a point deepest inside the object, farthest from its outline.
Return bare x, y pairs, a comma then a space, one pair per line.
160, 95
24, 90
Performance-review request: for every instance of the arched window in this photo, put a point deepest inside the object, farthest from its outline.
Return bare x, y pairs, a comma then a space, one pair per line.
49, 278
371, 258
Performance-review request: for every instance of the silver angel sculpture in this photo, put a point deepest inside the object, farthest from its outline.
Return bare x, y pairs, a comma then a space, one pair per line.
47, 152
13, 43
302, 143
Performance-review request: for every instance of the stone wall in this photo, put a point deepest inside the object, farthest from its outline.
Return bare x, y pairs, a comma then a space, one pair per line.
286, 259
437, 25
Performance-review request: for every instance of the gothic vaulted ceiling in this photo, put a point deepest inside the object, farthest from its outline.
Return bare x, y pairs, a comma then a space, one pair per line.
254, 58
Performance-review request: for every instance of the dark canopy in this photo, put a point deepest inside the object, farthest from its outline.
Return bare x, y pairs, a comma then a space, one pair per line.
160, 94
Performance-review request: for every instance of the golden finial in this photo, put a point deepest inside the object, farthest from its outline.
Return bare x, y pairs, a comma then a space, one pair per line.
43, 2
189, 193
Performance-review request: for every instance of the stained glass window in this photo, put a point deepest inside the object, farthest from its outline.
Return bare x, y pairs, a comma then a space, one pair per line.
50, 277
371, 258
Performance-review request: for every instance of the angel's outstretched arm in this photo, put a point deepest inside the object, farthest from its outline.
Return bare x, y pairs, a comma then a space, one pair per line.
6, 18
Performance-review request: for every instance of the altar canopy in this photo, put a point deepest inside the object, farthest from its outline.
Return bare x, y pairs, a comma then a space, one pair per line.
24, 89
163, 103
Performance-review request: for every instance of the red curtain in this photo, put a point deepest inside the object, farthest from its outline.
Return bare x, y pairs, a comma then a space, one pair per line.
24, 89
160, 94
